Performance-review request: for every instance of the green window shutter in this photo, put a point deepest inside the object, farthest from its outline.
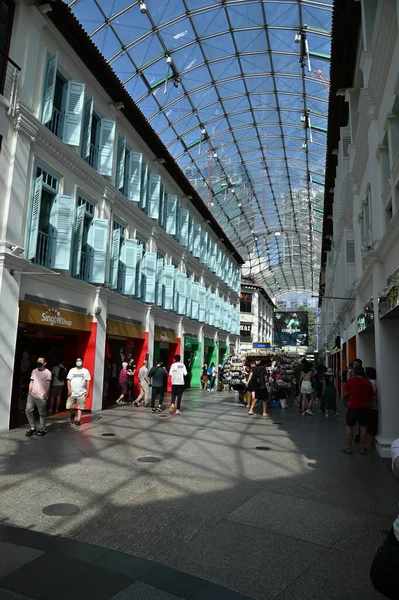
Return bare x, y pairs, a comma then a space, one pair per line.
149, 274
72, 127
134, 174
115, 252
144, 185
197, 240
49, 89
195, 289
169, 280
202, 304
160, 266
188, 296
183, 226
171, 214
191, 234
181, 292
87, 124
78, 239
61, 216
106, 146
128, 260
120, 163
35, 217
154, 191
139, 271
98, 243
204, 247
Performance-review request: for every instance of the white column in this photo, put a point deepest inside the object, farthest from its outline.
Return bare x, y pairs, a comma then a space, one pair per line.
152, 243
150, 332
100, 309
202, 343
9, 298
180, 334
365, 348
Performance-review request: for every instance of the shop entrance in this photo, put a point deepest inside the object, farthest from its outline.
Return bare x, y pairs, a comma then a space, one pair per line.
192, 360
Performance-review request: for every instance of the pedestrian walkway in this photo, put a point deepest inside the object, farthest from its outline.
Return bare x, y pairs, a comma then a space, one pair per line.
211, 504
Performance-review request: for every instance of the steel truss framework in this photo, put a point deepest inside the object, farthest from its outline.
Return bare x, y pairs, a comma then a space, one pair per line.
237, 92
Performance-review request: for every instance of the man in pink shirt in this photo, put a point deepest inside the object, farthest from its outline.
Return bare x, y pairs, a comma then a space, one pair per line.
39, 387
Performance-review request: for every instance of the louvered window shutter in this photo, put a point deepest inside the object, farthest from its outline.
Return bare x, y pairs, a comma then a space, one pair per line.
115, 252
204, 247
120, 163
171, 214
188, 296
197, 240
154, 191
73, 117
149, 273
202, 304
160, 265
183, 226
207, 307
181, 291
87, 124
212, 308
350, 260
78, 240
98, 242
195, 300
61, 232
191, 234
162, 198
134, 175
106, 147
217, 312
128, 267
49, 89
139, 271
144, 185
169, 280
35, 217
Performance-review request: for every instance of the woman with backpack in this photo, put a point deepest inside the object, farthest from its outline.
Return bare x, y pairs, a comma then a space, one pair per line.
259, 379
58, 376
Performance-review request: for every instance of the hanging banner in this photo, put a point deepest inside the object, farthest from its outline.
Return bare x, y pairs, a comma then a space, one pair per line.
291, 328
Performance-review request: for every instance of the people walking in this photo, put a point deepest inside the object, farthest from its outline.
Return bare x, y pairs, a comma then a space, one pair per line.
39, 387
360, 393
143, 397
130, 380
329, 394
261, 392
177, 372
158, 376
252, 385
58, 377
204, 377
372, 428
306, 386
123, 383
78, 382
212, 377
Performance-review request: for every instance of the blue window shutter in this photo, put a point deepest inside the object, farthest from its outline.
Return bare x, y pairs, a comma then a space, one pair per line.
169, 281
106, 147
171, 214
154, 191
195, 286
204, 247
120, 163
197, 240
160, 282
144, 185
181, 292
218, 261
217, 312
114, 263
139, 271
72, 129
35, 217
188, 296
61, 215
212, 302
149, 273
87, 123
134, 176
207, 307
202, 304
49, 89
78, 239
184, 217
128, 258
98, 242
191, 234
214, 257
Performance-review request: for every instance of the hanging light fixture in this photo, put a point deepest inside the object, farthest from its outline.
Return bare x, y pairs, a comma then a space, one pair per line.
143, 7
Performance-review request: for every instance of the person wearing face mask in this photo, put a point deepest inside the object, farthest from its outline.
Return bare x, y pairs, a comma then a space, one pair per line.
39, 387
78, 382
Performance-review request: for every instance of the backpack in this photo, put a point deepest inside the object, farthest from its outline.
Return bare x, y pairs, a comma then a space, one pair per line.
210, 371
262, 378
61, 374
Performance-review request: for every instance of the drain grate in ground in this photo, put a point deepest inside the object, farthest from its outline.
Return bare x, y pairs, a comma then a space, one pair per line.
149, 459
163, 416
201, 428
263, 448
60, 510
108, 434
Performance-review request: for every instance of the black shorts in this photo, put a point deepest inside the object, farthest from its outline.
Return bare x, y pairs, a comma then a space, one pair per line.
358, 415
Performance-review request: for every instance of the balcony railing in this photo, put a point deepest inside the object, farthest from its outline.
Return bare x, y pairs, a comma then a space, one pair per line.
56, 122
9, 76
42, 249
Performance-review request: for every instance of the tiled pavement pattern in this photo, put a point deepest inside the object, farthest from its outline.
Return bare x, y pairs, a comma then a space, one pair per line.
214, 519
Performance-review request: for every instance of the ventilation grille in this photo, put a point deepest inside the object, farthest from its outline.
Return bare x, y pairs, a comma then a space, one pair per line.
350, 251
346, 140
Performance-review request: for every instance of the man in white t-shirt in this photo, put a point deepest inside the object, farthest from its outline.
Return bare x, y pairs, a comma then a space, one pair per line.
39, 387
177, 372
78, 381
142, 398
385, 567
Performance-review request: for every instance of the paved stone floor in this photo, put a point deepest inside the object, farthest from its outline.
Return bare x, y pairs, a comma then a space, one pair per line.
214, 519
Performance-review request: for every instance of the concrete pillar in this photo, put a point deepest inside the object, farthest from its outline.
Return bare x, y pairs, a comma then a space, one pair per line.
9, 298
365, 348
393, 137
150, 335
100, 309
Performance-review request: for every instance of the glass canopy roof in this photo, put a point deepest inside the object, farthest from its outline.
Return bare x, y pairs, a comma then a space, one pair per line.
238, 92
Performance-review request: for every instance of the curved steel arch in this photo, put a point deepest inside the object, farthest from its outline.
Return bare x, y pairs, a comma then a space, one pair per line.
239, 110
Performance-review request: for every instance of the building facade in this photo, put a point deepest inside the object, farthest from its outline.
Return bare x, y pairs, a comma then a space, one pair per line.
256, 316
359, 282
104, 252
